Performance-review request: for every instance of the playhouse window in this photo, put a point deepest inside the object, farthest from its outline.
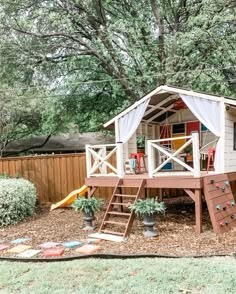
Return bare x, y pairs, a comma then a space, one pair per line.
178, 128
235, 136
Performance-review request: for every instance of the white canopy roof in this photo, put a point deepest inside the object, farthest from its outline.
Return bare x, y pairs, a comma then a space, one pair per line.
159, 104
162, 102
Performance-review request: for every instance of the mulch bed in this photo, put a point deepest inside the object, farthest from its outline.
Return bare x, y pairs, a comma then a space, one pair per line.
177, 233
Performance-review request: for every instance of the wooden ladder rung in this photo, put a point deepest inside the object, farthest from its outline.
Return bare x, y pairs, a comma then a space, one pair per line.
111, 209
119, 213
115, 223
124, 195
111, 232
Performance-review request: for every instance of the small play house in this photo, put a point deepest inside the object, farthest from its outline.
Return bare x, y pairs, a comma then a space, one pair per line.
186, 136
178, 127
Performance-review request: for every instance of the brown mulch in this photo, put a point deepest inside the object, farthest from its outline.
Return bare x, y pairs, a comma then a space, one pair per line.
177, 233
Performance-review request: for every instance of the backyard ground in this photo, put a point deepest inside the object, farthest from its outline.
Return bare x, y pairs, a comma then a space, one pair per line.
151, 275
177, 233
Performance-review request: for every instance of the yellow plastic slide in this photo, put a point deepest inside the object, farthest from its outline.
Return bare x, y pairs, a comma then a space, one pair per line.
70, 198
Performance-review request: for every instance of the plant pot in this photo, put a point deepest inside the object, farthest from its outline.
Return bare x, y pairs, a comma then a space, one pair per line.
88, 220
149, 220
141, 150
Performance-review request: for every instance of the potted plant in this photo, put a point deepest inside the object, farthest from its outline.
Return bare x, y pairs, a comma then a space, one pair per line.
88, 206
189, 154
141, 143
148, 210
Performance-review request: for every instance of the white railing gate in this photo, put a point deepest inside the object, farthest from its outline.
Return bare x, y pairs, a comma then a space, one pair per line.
97, 157
172, 156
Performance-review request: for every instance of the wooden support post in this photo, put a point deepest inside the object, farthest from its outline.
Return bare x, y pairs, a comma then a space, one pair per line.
119, 160
196, 155
88, 161
119, 152
150, 153
91, 191
160, 194
198, 211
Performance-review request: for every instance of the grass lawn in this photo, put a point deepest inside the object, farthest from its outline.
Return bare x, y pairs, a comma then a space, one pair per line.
150, 275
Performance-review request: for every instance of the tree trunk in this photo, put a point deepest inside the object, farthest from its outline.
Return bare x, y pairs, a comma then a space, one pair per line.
161, 43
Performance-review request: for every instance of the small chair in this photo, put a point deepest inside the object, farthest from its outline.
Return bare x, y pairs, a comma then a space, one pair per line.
204, 150
130, 166
211, 158
139, 156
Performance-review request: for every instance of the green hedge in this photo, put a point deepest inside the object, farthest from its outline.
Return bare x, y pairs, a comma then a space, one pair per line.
17, 200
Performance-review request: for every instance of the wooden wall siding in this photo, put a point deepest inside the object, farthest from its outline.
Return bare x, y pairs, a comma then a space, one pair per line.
230, 153
192, 127
150, 131
132, 145
183, 115
55, 176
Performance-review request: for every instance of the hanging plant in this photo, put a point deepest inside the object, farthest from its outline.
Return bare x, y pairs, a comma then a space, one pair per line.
141, 142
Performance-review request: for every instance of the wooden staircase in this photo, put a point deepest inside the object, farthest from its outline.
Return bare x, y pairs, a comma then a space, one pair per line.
118, 220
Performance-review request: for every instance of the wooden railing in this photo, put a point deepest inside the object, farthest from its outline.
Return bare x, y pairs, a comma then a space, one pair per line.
98, 157
168, 155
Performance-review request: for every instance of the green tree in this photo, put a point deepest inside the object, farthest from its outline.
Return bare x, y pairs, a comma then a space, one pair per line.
91, 58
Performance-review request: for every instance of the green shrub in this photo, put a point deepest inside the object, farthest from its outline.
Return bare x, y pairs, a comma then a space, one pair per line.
17, 200
148, 206
4, 176
87, 205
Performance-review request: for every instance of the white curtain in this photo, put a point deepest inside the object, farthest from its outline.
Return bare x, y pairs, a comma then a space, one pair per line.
207, 112
128, 123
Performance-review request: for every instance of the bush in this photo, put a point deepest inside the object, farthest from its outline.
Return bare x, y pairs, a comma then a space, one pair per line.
4, 176
17, 200
148, 206
87, 205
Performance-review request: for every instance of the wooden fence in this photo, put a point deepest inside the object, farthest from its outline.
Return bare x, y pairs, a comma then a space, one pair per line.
55, 176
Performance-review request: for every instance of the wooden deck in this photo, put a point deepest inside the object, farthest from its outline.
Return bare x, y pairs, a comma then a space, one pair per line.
192, 186
177, 182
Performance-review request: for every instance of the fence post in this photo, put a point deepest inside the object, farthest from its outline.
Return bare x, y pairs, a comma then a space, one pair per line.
196, 155
88, 160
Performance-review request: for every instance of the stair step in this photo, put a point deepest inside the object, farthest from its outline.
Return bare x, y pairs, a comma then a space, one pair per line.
108, 237
124, 195
127, 223
115, 223
119, 213
111, 232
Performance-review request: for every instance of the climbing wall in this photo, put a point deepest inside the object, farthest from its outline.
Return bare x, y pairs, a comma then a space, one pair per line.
220, 202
